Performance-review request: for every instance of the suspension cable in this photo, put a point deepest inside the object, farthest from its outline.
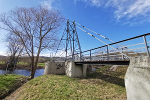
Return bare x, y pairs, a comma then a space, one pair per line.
102, 36
95, 32
102, 41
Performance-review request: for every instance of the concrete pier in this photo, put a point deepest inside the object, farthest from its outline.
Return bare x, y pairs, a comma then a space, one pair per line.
54, 68
73, 70
137, 79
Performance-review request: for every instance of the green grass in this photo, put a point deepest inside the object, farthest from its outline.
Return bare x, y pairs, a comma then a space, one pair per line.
9, 82
2, 62
41, 64
99, 85
24, 63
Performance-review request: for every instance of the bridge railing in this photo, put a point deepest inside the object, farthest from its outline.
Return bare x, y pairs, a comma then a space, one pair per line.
119, 53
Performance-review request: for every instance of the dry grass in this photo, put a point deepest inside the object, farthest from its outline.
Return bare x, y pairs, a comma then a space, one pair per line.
102, 84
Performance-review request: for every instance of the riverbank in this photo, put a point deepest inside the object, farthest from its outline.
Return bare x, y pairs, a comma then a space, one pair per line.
102, 84
28, 67
10, 82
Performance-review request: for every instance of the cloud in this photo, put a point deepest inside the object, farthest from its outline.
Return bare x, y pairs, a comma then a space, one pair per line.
47, 4
60, 53
3, 53
131, 10
96, 3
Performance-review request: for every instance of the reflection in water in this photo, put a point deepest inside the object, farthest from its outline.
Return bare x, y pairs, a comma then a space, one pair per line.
24, 72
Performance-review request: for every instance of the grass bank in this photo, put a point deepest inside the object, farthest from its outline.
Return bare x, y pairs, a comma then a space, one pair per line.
24, 63
10, 82
41, 64
103, 84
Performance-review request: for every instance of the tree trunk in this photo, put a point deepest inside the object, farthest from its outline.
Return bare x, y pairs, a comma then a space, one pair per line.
32, 61
32, 67
37, 58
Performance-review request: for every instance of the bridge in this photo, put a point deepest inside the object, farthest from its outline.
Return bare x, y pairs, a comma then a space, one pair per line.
113, 53
75, 62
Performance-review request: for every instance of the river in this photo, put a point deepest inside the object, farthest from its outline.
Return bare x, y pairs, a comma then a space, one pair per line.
24, 72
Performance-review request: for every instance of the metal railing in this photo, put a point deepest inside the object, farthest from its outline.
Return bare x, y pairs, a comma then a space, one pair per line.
107, 54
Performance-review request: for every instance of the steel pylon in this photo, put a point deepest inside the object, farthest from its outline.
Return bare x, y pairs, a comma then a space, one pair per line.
71, 42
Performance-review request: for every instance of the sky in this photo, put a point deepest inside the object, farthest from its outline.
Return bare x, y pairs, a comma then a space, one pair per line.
114, 19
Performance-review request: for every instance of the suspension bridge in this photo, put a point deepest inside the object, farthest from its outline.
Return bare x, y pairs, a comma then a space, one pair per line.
113, 53
75, 61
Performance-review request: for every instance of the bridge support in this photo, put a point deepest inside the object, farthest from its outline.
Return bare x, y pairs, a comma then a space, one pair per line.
54, 68
137, 79
73, 70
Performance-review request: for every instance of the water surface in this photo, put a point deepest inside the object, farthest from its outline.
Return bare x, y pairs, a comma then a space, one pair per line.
24, 72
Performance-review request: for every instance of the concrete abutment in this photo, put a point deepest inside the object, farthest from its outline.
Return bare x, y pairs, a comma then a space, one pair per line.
73, 70
54, 68
68, 68
137, 79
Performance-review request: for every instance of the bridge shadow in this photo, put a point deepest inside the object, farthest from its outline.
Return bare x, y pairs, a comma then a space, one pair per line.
114, 77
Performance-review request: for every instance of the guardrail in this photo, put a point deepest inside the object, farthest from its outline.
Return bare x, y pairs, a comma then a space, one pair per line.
105, 53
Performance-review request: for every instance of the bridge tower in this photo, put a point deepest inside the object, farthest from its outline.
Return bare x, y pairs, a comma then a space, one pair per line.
70, 42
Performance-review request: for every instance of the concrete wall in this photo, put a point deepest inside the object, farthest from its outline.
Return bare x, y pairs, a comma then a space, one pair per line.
73, 70
54, 68
137, 79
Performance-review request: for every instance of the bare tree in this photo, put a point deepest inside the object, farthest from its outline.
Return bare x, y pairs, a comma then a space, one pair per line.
37, 28
15, 48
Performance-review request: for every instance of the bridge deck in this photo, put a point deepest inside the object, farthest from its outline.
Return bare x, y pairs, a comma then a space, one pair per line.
114, 62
